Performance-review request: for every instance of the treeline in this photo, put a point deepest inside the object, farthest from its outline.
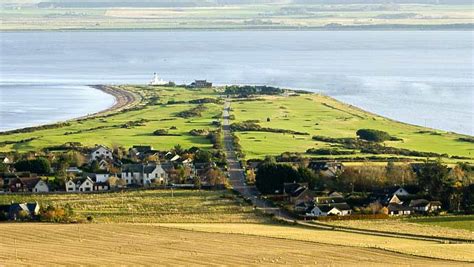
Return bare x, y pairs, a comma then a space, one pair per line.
252, 125
248, 90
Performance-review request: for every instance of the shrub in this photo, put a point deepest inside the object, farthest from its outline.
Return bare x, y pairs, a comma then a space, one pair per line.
374, 135
39, 166
194, 112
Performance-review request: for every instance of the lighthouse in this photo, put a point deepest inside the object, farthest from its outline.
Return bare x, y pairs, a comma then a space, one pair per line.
157, 80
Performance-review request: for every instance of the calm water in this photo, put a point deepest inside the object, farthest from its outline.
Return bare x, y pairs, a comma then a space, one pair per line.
424, 78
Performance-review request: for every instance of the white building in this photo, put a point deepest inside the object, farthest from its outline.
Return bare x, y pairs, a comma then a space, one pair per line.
143, 174
157, 80
101, 152
41, 187
84, 185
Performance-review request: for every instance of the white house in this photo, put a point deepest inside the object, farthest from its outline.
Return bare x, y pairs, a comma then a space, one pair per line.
87, 185
143, 174
400, 191
41, 187
325, 210
101, 152
5, 159
102, 177
71, 186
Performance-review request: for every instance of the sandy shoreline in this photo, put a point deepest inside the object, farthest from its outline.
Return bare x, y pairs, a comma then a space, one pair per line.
123, 99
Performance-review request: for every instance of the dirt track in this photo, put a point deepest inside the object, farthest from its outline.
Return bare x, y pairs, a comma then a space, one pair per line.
128, 244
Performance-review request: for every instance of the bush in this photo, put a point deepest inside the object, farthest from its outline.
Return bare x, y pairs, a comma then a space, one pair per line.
374, 135
194, 112
160, 132
251, 125
329, 151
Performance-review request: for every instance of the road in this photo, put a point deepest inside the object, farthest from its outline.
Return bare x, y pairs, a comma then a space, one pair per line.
237, 176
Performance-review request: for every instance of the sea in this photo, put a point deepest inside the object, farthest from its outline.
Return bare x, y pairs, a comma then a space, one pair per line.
418, 77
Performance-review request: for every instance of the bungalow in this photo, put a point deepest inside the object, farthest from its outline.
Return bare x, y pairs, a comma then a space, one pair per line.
399, 209
425, 206
340, 209
143, 174
101, 152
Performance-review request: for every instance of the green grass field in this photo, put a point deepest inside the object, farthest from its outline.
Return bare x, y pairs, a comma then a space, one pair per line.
324, 116
454, 222
150, 206
257, 16
310, 113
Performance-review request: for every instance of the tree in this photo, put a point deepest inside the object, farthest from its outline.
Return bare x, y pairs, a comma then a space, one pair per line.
39, 166
308, 176
434, 179
373, 135
203, 156
271, 177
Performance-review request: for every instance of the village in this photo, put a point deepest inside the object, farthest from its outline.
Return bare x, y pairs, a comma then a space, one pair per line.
102, 169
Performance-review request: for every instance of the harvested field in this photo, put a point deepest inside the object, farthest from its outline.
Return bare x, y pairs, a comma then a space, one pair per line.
133, 244
431, 249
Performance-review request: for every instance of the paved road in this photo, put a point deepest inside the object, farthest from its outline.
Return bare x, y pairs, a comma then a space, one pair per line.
237, 176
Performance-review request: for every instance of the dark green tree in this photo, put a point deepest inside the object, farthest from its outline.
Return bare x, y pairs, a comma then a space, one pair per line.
271, 177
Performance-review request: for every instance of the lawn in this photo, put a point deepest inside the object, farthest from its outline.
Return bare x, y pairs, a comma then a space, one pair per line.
308, 113
150, 206
320, 115
454, 222
109, 131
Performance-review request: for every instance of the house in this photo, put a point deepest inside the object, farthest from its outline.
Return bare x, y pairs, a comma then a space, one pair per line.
143, 174
80, 185
41, 187
101, 186
327, 168
21, 210
200, 84
141, 152
393, 194
399, 209
103, 165
339, 209
5, 160
424, 206
297, 192
74, 170
101, 152
24, 184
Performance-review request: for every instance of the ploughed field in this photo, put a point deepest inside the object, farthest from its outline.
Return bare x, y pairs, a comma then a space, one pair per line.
144, 244
176, 110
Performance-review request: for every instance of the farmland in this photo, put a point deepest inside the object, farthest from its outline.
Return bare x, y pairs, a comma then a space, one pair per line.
404, 246
452, 226
64, 16
150, 206
138, 244
312, 114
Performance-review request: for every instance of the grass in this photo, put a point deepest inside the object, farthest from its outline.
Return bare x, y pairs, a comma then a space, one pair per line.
453, 222
422, 248
260, 16
160, 116
321, 115
138, 244
451, 227
150, 206
310, 113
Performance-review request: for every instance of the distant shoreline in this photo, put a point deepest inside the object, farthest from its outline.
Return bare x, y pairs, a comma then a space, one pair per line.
376, 27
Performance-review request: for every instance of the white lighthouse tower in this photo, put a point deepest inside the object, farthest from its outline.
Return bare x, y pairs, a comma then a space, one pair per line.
157, 80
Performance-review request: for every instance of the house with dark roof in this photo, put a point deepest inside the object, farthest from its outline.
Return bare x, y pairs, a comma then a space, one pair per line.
28, 184
424, 206
327, 168
19, 211
200, 84
338, 209
297, 192
144, 174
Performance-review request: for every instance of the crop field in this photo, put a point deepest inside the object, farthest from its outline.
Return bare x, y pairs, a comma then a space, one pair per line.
453, 226
460, 252
461, 223
138, 244
324, 116
257, 16
150, 206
